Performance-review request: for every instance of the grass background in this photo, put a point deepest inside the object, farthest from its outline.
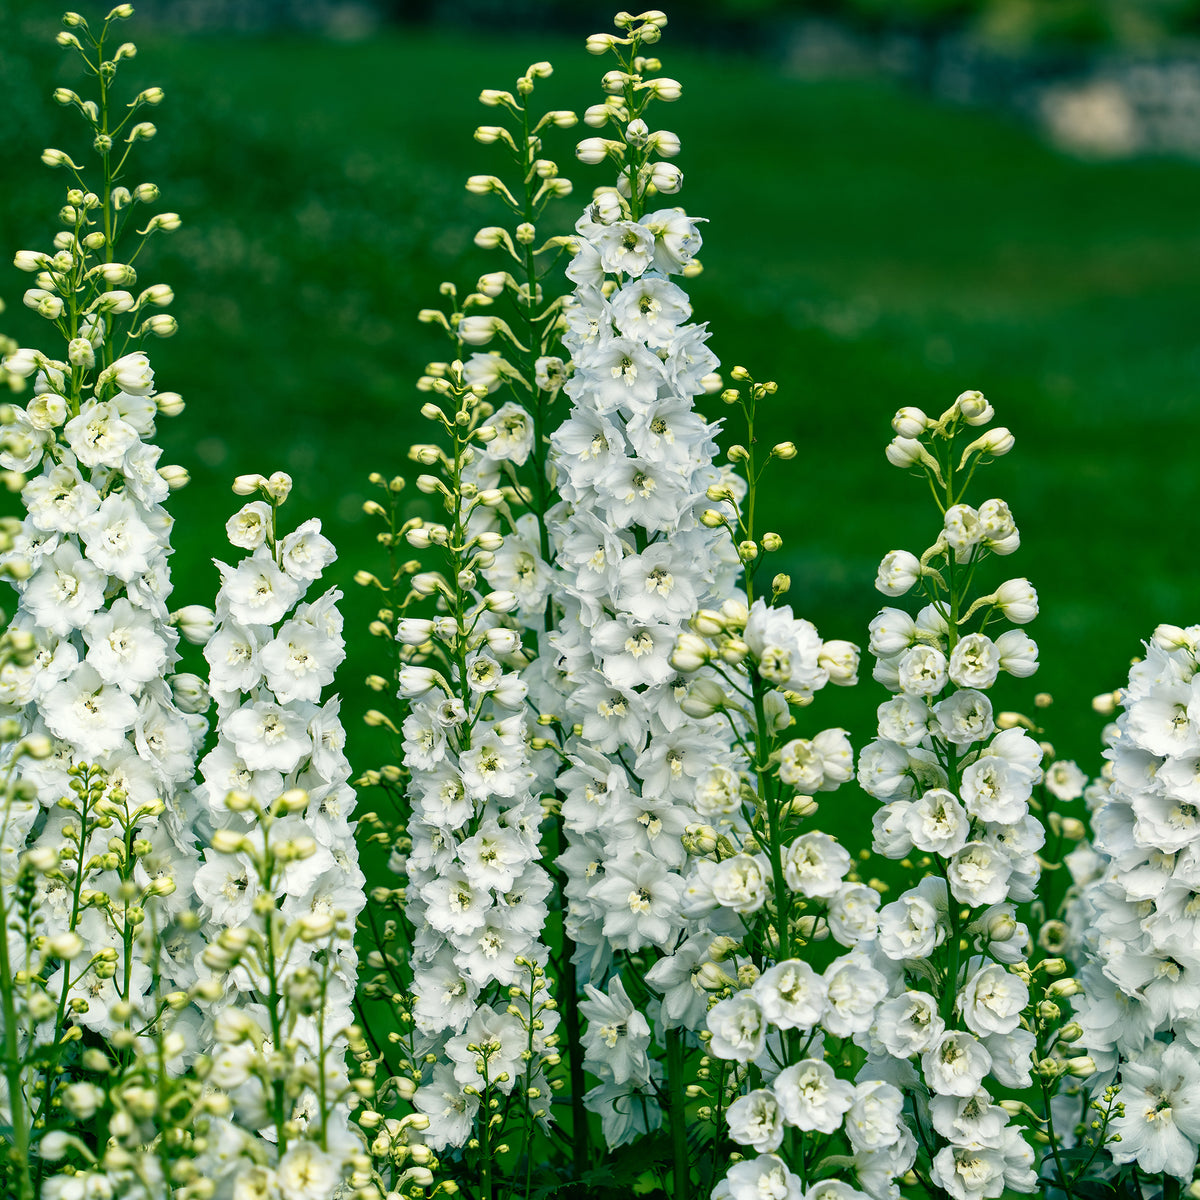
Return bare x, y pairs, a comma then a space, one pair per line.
867, 248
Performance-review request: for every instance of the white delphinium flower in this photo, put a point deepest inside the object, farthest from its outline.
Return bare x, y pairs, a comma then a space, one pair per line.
1160, 1127
811, 1097
764, 1176
277, 792
958, 789
634, 461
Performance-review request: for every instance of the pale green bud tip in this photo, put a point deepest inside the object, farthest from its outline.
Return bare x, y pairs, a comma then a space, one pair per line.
121, 13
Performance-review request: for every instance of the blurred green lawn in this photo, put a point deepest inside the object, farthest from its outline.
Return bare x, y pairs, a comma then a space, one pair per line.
867, 248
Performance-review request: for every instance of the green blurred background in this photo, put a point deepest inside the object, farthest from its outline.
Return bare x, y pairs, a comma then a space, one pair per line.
870, 245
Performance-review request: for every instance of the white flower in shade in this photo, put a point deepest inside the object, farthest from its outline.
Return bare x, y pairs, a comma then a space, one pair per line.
855, 988
1160, 1127
815, 865
514, 434
268, 737
64, 591
306, 1172
978, 875
256, 590
306, 552
955, 1064
89, 713
922, 671
738, 1027
908, 1024
233, 658
98, 437
124, 646
873, 1120
853, 913
450, 1110
974, 662
740, 882
992, 1001
811, 1096
937, 823
641, 898
969, 1172
835, 1189
791, 994
617, 1036
756, 1121
1012, 1057
965, 717
249, 526
766, 1177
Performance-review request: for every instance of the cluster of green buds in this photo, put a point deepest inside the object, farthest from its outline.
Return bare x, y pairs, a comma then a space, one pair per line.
82, 288
637, 150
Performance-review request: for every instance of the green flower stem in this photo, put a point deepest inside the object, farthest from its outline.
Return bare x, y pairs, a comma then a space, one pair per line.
677, 1114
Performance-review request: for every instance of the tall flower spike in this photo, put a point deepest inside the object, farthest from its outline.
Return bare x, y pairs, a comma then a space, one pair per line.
955, 782
634, 465
112, 855
280, 886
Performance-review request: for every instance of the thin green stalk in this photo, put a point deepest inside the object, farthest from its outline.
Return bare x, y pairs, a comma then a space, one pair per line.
677, 1114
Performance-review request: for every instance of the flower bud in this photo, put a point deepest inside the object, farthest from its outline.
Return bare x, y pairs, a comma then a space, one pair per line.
1017, 599
995, 442
195, 623
664, 89
910, 422
704, 697
905, 452
898, 572
690, 653
840, 659
974, 408
175, 476
80, 353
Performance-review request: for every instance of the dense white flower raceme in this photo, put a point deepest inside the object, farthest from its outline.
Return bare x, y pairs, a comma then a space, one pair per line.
280, 886
1136, 918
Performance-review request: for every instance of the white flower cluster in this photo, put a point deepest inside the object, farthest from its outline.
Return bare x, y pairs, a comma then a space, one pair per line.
1140, 1011
634, 465
90, 566
279, 886
476, 888
956, 789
